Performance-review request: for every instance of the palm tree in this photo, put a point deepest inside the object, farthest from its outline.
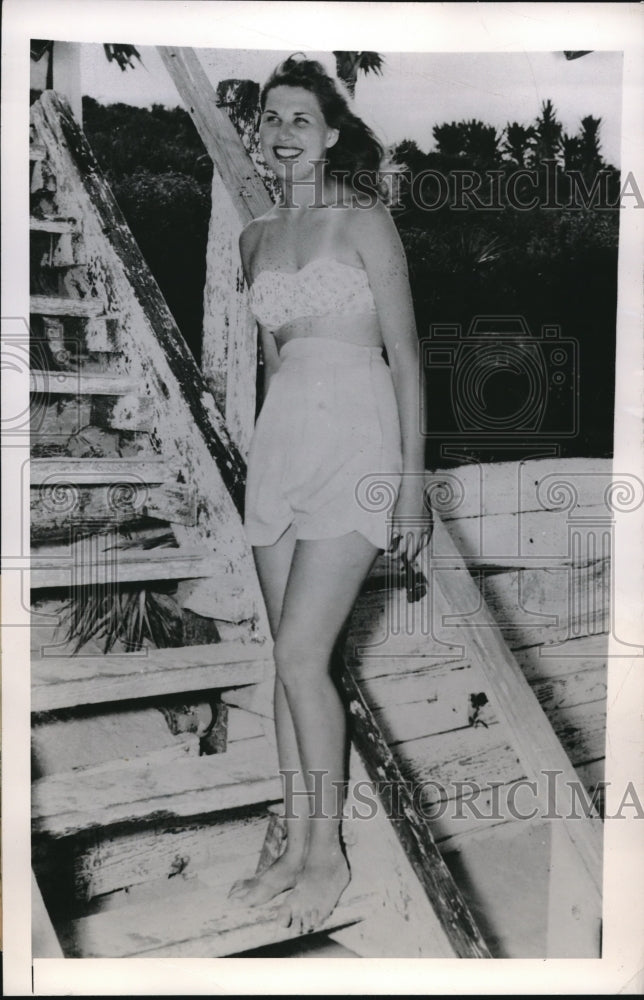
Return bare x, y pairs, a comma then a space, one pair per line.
547, 135
589, 146
349, 64
517, 142
123, 55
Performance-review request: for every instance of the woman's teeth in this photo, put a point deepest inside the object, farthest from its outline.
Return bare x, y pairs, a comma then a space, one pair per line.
286, 152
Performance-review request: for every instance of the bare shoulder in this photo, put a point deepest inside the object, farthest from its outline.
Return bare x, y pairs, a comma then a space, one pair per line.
371, 227
251, 237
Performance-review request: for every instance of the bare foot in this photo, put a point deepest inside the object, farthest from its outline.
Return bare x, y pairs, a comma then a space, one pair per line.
277, 878
316, 893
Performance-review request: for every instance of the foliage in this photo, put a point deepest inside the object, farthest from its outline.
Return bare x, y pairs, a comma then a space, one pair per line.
161, 177
132, 615
552, 265
349, 64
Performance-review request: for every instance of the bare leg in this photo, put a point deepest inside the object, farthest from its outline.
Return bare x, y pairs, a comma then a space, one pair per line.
323, 583
273, 564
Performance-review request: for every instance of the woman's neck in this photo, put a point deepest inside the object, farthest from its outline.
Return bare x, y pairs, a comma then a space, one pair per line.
313, 192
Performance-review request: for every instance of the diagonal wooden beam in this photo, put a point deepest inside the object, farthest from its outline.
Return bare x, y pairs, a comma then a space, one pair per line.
452, 913
218, 134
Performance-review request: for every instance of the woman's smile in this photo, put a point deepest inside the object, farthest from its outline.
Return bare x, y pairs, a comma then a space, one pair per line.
287, 152
293, 130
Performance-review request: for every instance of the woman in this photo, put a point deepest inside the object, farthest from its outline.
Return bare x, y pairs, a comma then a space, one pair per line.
329, 288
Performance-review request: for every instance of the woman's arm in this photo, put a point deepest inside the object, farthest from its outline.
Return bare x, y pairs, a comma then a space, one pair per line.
247, 243
270, 356
381, 250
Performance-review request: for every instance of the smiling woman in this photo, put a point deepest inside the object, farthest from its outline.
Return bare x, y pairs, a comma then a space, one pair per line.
329, 290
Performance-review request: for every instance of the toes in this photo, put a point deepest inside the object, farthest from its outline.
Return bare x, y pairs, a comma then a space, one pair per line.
284, 916
237, 888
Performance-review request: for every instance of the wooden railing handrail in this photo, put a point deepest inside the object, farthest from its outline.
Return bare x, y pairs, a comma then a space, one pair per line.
180, 359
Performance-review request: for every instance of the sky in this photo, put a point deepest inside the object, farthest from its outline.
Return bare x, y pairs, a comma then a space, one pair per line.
416, 90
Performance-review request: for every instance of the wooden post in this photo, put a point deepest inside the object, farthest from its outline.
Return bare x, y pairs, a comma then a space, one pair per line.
229, 345
229, 350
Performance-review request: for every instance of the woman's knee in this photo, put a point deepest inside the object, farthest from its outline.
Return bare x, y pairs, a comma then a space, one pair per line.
298, 662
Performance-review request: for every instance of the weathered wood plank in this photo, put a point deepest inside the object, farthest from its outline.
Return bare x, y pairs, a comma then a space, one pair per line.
480, 754
474, 813
99, 470
534, 607
525, 722
543, 663
57, 509
493, 488
530, 606
59, 745
447, 686
532, 538
77, 565
51, 305
450, 707
60, 682
130, 791
55, 226
122, 860
80, 383
414, 834
218, 134
192, 924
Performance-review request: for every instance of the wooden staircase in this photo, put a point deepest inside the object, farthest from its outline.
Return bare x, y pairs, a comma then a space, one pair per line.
153, 790
116, 504
155, 768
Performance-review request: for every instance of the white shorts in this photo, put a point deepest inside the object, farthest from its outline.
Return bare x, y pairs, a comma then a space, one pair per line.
327, 442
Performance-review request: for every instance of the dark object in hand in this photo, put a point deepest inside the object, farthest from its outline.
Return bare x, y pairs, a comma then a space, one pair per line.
415, 583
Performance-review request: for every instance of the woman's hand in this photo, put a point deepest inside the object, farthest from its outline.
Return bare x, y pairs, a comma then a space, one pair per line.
411, 523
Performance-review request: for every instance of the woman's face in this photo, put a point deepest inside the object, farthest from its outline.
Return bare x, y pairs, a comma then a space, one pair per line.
293, 132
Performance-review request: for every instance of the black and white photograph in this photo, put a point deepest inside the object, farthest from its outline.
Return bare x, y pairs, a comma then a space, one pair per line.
322, 497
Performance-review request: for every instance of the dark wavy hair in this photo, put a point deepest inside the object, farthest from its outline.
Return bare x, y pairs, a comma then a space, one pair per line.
356, 157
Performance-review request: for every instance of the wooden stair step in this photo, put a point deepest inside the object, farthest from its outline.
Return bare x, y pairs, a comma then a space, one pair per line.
81, 383
100, 471
153, 787
68, 681
197, 924
64, 566
58, 305
54, 226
